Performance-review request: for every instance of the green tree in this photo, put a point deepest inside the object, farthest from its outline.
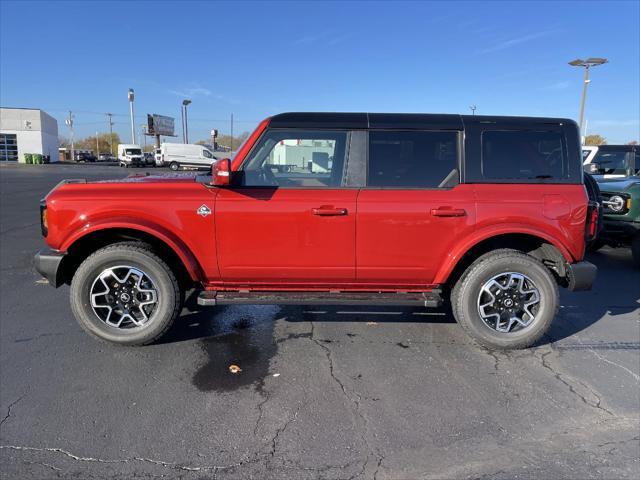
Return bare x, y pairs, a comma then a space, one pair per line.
104, 142
595, 139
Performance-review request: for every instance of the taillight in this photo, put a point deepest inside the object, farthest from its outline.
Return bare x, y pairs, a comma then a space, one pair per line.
44, 224
593, 218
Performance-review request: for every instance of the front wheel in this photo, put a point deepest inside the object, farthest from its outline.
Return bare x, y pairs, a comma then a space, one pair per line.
125, 294
506, 300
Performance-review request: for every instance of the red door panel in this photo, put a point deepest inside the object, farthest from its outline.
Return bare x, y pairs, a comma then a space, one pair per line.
278, 235
404, 235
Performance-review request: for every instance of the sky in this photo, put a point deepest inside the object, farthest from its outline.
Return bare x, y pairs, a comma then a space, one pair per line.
256, 59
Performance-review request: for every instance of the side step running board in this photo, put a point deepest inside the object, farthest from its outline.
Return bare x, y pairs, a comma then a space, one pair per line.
422, 299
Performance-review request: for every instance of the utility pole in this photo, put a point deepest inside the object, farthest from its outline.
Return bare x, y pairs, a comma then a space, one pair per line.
97, 147
110, 132
587, 64
133, 128
473, 109
232, 132
69, 123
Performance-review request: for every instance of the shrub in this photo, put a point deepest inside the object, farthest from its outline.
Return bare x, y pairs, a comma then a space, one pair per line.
37, 159
28, 158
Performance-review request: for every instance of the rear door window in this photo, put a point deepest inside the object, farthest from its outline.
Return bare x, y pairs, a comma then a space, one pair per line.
413, 159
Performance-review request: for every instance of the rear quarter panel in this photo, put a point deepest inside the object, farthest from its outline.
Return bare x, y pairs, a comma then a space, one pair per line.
556, 212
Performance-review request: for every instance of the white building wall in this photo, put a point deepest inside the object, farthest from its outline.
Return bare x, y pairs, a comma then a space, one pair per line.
35, 130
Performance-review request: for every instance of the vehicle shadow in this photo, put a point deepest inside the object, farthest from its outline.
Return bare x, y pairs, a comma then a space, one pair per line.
246, 332
616, 292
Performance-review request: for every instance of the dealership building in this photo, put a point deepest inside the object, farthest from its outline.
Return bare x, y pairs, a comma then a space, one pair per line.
27, 130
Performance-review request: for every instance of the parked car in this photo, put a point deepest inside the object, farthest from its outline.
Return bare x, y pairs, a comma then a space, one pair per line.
149, 159
85, 157
490, 213
611, 161
106, 157
130, 155
621, 204
181, 155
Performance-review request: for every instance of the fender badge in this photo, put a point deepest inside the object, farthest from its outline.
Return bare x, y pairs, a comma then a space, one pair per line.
203, 210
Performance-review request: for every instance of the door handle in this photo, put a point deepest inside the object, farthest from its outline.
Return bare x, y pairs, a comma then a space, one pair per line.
448, 212
327, 211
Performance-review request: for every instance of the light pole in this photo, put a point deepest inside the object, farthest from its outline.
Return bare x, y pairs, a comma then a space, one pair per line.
133, 128
185, 126
473, 109
69, 123
110, 132
588, 63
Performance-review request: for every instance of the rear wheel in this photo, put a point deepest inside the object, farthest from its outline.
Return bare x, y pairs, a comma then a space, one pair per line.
505, 300
174, 166
124, 293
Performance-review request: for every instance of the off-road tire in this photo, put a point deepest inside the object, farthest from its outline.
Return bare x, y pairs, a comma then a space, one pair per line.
465, 294
635, 250
175, 166
138, 255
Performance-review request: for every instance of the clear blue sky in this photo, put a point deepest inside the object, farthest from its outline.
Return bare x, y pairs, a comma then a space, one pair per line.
258, 59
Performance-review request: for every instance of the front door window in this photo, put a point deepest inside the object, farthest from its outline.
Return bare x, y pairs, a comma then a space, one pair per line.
303, 159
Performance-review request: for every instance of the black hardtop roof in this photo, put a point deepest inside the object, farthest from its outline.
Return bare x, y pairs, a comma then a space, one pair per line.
417, 121
627, 148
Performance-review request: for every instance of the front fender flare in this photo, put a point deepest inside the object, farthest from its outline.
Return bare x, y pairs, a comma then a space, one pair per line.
173, 241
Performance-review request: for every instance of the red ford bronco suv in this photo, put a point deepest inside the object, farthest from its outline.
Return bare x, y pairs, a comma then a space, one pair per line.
338, 208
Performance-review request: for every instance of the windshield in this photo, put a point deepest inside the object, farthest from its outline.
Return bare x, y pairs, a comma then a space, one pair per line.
133, 151
611, 161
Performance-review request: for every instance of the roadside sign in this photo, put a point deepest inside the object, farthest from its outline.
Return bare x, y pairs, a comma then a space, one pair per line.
160, 125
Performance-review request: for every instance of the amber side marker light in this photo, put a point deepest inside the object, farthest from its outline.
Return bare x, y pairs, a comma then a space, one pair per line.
44, 224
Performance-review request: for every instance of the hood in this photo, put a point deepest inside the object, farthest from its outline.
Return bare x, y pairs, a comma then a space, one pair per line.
618, 184
155, 178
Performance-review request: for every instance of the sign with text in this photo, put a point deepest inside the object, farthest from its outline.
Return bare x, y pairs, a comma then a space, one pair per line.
160, 125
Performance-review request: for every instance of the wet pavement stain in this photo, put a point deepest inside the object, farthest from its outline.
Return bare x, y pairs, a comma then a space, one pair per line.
248, 343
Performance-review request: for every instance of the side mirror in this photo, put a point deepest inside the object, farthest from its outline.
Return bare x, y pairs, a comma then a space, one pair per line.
592, 168
221, 172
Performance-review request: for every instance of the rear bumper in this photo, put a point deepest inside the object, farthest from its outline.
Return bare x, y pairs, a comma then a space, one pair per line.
47, 263
581, 276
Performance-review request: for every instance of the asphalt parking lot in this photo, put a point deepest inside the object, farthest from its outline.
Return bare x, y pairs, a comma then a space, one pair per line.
332, 393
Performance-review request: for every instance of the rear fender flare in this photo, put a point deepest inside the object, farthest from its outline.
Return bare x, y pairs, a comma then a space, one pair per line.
463, 247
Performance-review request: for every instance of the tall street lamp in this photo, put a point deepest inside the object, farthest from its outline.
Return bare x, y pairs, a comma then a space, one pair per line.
588, 63
185, 127
133, 128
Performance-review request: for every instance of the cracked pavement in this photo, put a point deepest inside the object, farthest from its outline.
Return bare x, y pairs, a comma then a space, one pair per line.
324, 392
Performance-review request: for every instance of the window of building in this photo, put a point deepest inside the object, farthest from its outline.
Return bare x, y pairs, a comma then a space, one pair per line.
296, 158
411, 159
523, 155
8, 147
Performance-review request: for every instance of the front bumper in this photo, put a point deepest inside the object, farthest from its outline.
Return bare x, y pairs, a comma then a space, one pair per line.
619, 231
47, 262
581, 276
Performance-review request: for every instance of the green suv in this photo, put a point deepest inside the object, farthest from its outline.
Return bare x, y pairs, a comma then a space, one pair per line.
621, 208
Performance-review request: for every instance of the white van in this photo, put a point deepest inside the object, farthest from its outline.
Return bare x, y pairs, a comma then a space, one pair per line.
130, 155
178, 155
157, 156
